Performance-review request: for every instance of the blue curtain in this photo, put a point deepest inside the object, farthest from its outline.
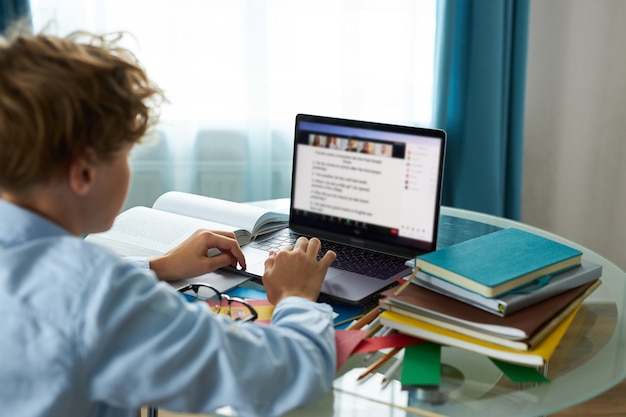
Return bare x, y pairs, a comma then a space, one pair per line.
12, 10
480, 85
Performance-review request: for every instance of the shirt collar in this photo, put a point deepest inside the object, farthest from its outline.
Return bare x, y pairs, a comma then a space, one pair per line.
19, 225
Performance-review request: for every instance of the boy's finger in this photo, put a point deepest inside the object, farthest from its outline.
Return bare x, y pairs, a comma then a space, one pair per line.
328, 258
314, 246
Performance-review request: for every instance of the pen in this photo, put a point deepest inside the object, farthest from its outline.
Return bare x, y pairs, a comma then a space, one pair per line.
381, 361
366, 319
389, 374
385, 331
373, 327
408, 281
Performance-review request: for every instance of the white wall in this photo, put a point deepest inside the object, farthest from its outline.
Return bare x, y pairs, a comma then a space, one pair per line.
575, 123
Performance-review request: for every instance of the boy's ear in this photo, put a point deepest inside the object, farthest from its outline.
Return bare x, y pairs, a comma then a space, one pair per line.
82, 172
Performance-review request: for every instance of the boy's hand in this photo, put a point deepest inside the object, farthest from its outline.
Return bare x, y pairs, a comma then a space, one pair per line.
191, 258
296, 271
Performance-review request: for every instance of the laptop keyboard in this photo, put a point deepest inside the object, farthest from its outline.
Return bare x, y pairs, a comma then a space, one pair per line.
349, 258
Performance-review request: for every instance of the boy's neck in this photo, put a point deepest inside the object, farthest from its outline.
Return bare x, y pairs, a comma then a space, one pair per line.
52, 202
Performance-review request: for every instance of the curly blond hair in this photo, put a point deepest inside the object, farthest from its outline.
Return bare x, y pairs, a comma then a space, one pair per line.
60, 96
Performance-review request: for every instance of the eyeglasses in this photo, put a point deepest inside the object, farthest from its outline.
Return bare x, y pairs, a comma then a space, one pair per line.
223, 304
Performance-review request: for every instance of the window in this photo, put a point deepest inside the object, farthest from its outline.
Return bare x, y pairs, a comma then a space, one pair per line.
237, 72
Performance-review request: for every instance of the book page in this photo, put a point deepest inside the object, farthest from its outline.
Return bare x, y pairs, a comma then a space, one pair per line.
244, 216
159, 231
122, 248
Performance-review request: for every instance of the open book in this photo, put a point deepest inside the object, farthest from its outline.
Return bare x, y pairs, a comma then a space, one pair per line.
174, 216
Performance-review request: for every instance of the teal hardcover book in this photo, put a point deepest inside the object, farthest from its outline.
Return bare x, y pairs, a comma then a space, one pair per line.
499, 262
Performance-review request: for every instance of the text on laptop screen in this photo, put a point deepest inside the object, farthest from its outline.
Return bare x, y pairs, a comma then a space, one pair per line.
378, 181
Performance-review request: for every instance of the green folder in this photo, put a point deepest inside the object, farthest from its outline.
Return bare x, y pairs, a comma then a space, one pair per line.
421, 365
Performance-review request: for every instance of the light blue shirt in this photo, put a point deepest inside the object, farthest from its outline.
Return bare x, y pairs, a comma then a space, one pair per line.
85, 333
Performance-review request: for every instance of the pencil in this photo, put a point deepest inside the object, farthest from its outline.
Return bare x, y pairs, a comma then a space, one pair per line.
366, 319
379, 362
372, 331
408, 281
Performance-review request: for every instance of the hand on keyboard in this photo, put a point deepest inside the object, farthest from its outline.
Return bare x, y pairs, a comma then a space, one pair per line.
296, 271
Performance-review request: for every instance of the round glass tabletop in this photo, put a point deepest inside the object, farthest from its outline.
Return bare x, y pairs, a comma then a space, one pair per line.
589, 360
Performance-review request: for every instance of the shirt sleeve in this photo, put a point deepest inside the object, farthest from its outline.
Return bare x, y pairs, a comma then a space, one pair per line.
143, 344
139, 261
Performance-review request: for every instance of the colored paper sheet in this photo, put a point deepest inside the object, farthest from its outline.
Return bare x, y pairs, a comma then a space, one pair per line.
390, 341
518, 373
421, 365
346, 341
264, 309
350, 342
247, 293
344, 314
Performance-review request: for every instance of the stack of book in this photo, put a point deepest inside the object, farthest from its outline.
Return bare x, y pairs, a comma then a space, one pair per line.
510, 295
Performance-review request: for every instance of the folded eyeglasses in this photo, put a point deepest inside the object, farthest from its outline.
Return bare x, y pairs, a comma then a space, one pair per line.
222, 304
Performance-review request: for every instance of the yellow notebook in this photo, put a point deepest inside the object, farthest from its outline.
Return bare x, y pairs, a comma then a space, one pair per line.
537, 356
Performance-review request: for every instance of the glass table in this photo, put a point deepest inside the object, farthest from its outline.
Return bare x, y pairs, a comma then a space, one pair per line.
590, 359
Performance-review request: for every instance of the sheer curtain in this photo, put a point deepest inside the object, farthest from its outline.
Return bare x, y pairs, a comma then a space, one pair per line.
237, 72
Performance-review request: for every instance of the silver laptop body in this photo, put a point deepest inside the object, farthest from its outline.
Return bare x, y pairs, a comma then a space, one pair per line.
374, 187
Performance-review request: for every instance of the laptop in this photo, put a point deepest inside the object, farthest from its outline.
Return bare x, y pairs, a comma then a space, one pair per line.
370, 188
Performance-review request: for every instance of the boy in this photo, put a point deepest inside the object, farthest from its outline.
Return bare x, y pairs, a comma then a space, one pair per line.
84, 332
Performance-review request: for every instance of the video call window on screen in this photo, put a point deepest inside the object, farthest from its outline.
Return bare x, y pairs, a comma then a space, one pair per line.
368, 147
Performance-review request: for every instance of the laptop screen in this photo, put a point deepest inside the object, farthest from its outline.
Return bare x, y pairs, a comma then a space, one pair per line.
370, 184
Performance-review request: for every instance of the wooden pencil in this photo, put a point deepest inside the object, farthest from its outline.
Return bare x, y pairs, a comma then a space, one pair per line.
408, 281
366, 319
379, 362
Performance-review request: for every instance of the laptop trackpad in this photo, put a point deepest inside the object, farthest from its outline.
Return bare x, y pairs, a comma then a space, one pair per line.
343, 285
350, 286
